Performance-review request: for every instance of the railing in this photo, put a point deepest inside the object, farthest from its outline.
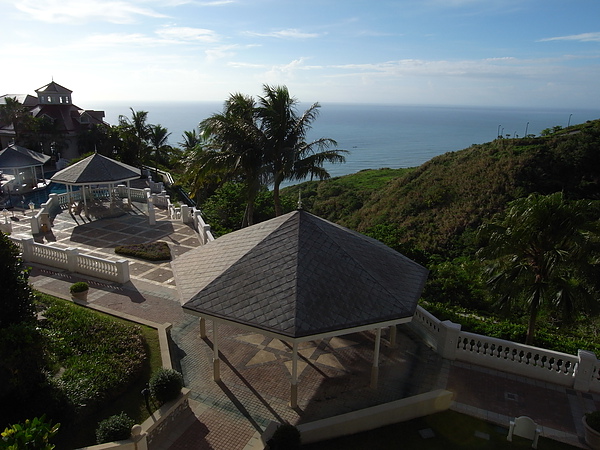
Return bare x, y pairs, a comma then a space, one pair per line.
204, 233
581, 371
101, 268
70, 259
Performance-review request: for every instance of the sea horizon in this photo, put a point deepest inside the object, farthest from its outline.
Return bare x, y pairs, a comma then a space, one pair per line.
379, 135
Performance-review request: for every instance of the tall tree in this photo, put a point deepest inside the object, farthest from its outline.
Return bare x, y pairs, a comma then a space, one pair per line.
235, 148
543, 254
134, 134
191, 140
288, 155
16, 296
158, 137
14, 113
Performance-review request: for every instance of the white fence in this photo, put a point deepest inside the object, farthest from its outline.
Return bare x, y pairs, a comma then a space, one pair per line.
581, 372
70, 259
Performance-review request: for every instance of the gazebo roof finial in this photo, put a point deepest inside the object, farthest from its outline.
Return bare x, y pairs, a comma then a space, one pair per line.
300, 200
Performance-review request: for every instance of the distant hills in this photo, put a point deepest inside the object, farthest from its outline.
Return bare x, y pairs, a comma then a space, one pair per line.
435, 208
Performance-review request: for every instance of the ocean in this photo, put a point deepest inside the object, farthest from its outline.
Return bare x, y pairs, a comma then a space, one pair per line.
377, 136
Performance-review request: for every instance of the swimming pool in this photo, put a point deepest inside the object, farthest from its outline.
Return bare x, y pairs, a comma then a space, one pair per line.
37, 197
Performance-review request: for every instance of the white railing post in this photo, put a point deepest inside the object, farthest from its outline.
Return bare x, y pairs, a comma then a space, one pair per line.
35, 225
448, 339
185, 213
27, 249
582, 377
122, 271
151, 214
72, 256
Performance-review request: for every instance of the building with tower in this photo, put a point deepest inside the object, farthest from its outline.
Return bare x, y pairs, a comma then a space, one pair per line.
59, 125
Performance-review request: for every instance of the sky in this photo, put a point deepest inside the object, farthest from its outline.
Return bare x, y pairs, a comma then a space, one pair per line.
529, 53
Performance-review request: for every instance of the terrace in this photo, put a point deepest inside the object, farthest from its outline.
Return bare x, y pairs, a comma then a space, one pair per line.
335, 372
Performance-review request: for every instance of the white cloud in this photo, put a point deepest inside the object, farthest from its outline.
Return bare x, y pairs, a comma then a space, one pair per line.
188, 34
583, 37
122, 39
200, 3
76, 11
291, 33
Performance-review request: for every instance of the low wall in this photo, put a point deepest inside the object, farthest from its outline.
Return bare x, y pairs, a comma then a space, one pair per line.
369, 418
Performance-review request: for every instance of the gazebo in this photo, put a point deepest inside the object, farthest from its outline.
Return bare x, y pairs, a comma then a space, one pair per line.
95, 170
299, 278
24, 164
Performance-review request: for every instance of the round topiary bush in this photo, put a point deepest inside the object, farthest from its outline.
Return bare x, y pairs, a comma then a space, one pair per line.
115, 428
165, 384
285, 437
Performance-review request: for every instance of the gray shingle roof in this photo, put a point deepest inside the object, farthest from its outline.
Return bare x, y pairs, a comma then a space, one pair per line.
14, 157
299, 275
96, 169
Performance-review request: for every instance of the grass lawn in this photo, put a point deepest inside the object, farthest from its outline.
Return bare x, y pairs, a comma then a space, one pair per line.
447, 430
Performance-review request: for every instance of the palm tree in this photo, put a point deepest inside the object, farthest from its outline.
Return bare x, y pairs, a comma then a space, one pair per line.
191, 139
14, 113
235, 148
540, 255
135, 133
288, 154
158, 137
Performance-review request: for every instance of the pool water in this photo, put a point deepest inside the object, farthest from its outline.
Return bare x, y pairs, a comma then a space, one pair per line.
37, 197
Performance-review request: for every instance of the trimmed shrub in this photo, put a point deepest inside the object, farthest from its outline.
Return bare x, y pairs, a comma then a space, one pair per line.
80, 286
165, 384
153, 251
115, 428
285, 437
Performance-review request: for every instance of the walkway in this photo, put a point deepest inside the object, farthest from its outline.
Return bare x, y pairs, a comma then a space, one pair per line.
334, 373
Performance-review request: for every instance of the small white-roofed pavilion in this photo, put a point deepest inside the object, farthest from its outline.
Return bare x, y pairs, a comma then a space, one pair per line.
299, 278
95, 170
23, 164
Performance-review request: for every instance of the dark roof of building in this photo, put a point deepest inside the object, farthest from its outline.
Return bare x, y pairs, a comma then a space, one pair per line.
14, 157
96, 169
54, 88
24, 99
299, 275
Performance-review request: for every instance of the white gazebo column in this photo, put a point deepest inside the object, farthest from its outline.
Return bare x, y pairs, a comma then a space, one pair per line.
202, 327
393, 335
216, 360
294, 385
375, 368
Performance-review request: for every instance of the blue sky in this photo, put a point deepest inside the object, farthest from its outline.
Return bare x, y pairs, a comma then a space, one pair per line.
533, 53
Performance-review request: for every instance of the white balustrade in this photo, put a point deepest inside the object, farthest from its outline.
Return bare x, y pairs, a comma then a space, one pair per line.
581, 371
70, 259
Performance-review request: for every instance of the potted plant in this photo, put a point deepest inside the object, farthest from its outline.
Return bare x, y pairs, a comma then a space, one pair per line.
591, 423
79, 290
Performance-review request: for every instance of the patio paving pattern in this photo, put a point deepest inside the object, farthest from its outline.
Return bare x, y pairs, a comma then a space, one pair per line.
334, 374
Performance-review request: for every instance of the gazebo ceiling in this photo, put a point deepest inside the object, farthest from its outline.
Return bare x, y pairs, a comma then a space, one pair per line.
16, 157
298, 275
96, 169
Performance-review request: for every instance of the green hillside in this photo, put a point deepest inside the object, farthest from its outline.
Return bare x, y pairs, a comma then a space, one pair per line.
434, 208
